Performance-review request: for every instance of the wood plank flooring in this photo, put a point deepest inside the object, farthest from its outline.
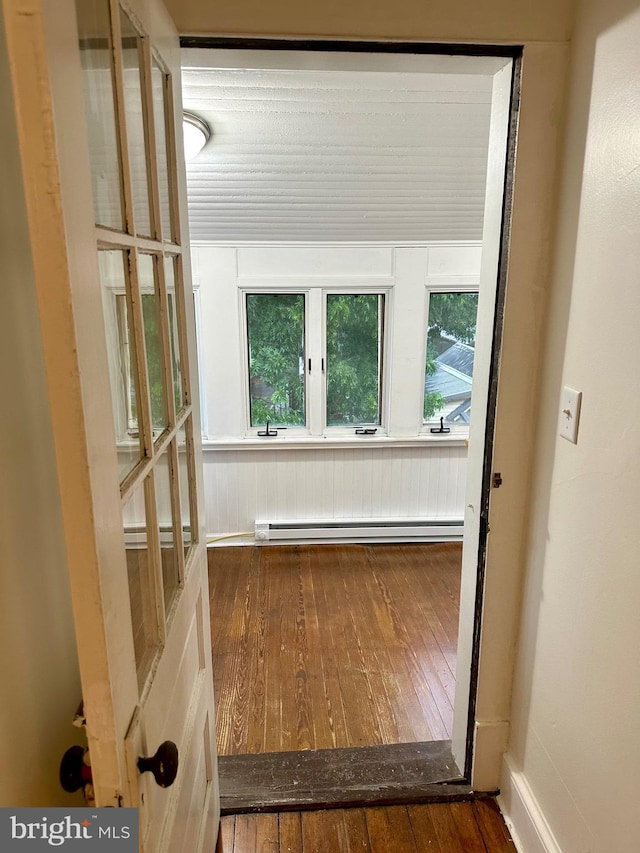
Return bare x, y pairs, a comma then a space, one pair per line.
474, 827
324, 646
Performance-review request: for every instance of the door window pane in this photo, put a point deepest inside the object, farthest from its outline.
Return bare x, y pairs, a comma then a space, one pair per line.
131, 61
451, 338
153, 341
140, 574
120, 352
354, 358
164, 509
174, 332
159, 83
97, 79
185, 469
275, 332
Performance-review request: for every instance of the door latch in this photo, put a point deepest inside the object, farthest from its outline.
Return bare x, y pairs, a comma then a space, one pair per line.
496, 480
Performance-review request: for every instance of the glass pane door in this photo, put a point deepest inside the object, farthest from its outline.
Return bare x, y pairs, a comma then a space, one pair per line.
126, 97
95, 53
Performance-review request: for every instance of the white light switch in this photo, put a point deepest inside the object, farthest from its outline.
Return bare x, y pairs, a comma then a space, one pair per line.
570, 414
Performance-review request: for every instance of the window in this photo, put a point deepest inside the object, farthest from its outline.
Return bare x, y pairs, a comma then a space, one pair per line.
314, 360
451, 333
354, 358
275, 337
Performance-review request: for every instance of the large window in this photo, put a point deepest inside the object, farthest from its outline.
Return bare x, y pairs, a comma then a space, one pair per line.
451, 335
314, 360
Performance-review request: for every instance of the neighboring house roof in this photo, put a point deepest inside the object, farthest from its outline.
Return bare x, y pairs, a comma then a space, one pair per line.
462, 414
452, 379
460, 357
449, 383
454, 369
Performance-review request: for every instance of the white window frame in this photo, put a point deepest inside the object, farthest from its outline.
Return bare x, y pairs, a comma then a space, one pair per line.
444, 284
243, 292
382, 427
315, 296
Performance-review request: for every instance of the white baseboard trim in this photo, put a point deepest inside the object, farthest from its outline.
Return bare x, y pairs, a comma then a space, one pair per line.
522, 813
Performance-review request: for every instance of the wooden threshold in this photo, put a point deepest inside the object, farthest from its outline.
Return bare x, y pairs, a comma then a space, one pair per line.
331, 778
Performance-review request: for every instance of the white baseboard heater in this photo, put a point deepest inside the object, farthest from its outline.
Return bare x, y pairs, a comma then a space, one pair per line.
359, 530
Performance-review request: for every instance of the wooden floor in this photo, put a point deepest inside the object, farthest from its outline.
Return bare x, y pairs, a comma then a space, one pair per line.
316, 647
475, 827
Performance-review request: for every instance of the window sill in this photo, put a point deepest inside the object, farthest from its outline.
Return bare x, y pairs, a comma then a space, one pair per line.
320, 443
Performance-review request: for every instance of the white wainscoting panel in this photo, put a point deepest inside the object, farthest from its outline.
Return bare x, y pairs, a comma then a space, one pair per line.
356, 483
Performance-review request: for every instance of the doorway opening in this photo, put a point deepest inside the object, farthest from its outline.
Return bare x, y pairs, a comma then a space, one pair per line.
347, 219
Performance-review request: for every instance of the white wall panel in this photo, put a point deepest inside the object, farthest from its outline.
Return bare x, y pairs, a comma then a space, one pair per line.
311, 261
243, 486
453, 260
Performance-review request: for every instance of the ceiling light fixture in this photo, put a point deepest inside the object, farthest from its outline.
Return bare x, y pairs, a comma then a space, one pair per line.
196, 135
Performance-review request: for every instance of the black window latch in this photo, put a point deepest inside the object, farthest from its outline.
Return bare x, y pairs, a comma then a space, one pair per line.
268, 432
441, 428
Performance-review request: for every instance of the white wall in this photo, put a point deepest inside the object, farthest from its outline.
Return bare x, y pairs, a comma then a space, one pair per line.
403, 475
38, 666
574, 749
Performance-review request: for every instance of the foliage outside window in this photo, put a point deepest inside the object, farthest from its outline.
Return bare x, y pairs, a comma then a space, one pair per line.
275, 332
354, 358
153, 345
451, 332
153, 340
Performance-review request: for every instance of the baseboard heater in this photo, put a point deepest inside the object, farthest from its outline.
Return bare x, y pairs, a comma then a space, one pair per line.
359, 530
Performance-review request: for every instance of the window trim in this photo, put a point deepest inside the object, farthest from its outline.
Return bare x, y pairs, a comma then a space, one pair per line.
249, 290
315, 320
382, 428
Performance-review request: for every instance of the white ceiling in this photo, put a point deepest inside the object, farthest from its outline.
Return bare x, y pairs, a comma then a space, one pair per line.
338, 155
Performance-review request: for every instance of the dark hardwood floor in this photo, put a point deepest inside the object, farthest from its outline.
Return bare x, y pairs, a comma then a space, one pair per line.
325, 646
475, 827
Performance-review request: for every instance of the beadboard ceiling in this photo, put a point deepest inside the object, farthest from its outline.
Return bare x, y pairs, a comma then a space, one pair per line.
338, 155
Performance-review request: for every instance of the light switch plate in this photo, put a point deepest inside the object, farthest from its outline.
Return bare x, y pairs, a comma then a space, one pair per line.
570, 413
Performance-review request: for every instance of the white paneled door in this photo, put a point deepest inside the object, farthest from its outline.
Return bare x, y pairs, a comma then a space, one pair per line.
96, 86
